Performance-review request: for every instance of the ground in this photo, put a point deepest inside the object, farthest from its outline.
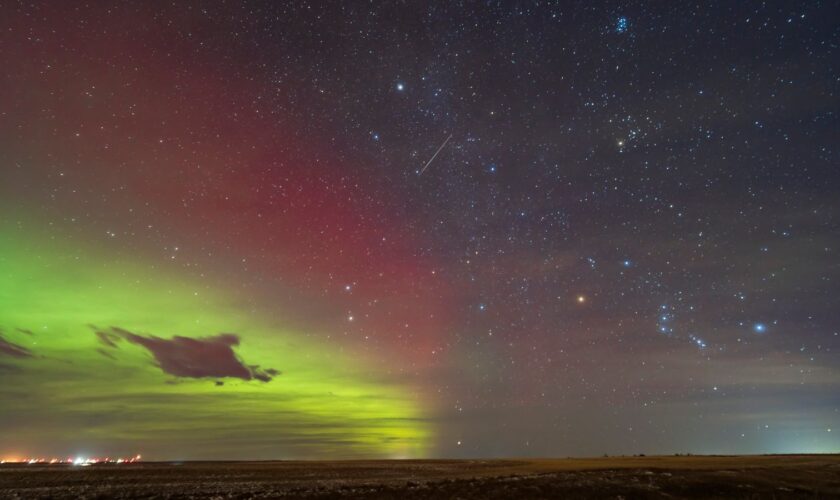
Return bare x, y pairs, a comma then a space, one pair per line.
788, 476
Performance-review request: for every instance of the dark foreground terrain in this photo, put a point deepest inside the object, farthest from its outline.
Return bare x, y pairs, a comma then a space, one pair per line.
799, 476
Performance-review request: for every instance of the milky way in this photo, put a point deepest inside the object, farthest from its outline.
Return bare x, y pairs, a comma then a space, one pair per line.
216, 241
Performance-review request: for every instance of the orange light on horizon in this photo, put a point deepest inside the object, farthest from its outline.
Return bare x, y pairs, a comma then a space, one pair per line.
79, 460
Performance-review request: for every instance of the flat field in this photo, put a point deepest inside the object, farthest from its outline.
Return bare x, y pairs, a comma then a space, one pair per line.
774, 476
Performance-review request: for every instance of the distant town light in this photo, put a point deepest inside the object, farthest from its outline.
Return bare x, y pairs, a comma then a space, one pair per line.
79, 460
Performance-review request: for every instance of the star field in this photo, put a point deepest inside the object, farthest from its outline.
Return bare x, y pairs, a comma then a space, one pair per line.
478, 229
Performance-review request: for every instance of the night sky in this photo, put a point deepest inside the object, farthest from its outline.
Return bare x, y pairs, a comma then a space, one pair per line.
256, 230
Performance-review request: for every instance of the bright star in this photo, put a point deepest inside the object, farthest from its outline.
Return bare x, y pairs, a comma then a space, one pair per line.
759, 328
697, 340
400, 86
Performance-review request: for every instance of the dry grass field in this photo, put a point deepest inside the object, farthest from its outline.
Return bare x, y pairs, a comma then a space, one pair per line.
788, 476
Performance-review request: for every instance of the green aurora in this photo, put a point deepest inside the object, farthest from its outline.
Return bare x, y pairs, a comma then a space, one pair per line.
117, 399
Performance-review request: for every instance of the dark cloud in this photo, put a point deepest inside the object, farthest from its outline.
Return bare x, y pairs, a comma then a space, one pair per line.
207, 357
26, 331
110, 339
9, 349
106, 353
263, 374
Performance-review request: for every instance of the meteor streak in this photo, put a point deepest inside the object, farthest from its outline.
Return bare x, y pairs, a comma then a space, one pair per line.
434, 155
